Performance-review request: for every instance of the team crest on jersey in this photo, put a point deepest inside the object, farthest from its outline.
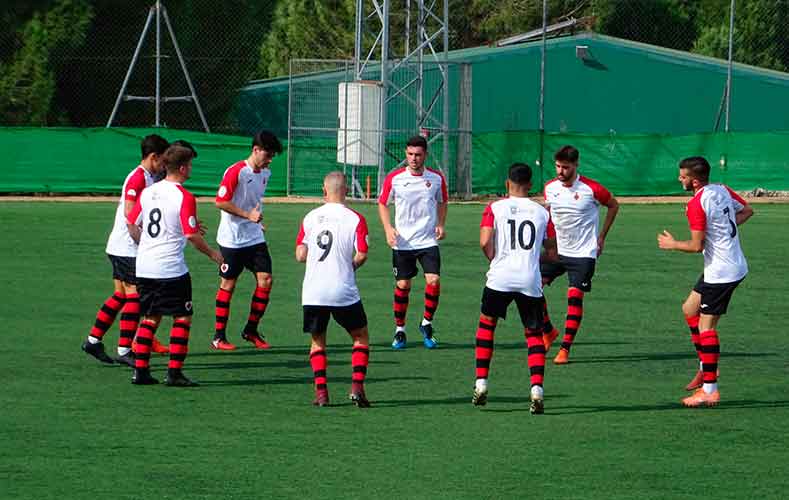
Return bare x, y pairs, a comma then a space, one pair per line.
222, 191
513, 210
427, 184
576, 196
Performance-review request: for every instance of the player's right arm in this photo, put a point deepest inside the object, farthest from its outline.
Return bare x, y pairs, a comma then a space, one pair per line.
133, 221
383, 212
360, 244
486, 233
224, 197
551, 253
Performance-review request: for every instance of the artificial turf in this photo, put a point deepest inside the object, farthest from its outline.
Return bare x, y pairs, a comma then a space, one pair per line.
613, 428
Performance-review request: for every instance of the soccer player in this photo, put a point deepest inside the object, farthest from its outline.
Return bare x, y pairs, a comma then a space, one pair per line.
122, 251
241, 238
511, 234
714, 213
162, 220
332, 241
574, 203
419, 195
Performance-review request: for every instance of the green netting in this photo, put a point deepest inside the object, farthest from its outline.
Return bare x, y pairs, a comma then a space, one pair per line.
96, 160
63, 160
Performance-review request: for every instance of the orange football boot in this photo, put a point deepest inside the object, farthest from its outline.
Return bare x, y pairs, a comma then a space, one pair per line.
562, 358
701, 398
548, 338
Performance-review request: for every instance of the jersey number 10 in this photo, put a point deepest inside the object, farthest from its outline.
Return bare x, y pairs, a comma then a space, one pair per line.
526, 246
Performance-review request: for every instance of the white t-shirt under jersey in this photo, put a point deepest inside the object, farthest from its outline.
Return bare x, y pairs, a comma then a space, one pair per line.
120, 243
245, 188
332, 234
519, 228
713, 210
416, 199
166, 212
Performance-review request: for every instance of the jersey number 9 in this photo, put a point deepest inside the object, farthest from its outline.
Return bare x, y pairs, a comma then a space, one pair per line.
325, 240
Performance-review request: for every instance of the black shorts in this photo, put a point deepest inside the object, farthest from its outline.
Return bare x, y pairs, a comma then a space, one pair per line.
255, 258
404, 262
316, 318
579, 271
495, 304
124, 268
165, 297
715, 297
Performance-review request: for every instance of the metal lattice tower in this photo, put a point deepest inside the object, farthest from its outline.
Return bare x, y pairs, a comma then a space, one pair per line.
432, 25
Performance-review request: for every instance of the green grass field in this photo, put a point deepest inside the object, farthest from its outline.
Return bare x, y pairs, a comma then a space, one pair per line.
613, 428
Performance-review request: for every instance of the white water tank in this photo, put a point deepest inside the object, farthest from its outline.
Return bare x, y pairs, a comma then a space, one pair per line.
358, 137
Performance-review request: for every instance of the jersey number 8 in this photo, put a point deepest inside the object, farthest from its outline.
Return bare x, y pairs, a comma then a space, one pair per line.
154, 219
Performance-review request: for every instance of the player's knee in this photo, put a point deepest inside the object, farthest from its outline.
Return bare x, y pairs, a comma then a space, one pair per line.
404, 284
227, 284
432, 279
265, 281
689, 308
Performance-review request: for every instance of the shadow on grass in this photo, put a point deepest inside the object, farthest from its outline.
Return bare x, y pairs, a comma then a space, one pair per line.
299, 380
498, 345
672, 406
667, 356
465, 400
274, 352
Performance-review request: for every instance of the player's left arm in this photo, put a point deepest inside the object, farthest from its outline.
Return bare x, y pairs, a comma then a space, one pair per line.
695, 244
361, 244
133, 221
612, 209
301, 247
441, 208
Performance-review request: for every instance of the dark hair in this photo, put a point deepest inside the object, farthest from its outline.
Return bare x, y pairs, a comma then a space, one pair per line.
153, 144
519, 174
567, 153
187, 145
176, 156
417, 141
267, 141
697, 167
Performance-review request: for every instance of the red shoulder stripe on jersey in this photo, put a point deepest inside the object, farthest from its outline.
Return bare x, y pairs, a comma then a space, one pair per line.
488, 220
188, 211
550, 230
300, 236
601, 194
135, 185
230, 181
697, 219
735, 196
361, 233
134, 216
444, 194
386, 192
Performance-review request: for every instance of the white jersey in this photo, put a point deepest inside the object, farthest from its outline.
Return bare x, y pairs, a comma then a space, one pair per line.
245, 188
416, 199
575, 212
120, 242
519, 228
331, 232
713, 210
166, 213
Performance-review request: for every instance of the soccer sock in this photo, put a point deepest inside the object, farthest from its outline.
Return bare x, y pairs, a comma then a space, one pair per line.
222, 312
318, 362
432, 292
536, 359
547, 326
360, 356
400, 305
484, 349
130, 320
142, 347
106, 315
693, 324
710, 353
179, 343
575, 312
257, 308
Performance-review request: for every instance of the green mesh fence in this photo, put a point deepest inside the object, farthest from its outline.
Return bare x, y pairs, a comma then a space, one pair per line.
67, 160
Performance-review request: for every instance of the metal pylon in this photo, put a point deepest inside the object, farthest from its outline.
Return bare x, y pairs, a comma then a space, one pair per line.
159, 12
432, 24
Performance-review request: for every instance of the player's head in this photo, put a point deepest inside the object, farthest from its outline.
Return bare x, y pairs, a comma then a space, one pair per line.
152, 148
566, 162
178, 162
186, 144
334, 186
265, 146
416, 152
519, 179
694, 172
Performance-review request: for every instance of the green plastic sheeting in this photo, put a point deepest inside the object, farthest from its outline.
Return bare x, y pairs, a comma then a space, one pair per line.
68, 160
97, 160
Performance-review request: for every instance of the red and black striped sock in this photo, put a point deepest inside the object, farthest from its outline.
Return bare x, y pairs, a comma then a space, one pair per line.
400, 304
710, 353
179, 343
536, 359
106, 315
484, 349
575, 313
360, 356
432, 293
142, 347
130, 320
318, 362
222, 312
695, 337
257, 308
